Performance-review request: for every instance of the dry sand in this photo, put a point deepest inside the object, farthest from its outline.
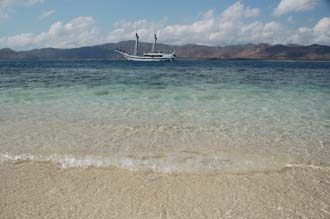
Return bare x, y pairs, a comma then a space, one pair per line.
44, 190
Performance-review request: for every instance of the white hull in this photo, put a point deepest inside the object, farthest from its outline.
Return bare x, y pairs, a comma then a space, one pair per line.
164, 58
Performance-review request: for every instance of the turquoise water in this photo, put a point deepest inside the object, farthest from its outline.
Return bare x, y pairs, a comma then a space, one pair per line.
185, 116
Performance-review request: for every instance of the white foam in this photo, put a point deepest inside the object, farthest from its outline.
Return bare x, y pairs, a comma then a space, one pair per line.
167, 164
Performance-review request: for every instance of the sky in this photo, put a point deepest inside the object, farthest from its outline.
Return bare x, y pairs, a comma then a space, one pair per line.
28, 24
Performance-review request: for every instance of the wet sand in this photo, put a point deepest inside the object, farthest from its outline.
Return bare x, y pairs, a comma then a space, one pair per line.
44, 190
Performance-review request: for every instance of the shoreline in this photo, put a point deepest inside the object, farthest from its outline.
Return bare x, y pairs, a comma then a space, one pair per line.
31, 189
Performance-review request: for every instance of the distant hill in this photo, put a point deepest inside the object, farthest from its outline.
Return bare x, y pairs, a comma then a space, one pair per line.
191, 51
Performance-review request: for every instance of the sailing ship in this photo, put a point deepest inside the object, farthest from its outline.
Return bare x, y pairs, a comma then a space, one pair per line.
152, 56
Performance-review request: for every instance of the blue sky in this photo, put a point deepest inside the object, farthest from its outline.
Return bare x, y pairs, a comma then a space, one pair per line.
26, 24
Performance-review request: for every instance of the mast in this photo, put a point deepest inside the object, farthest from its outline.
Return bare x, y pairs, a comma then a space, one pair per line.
136, 48
153, 48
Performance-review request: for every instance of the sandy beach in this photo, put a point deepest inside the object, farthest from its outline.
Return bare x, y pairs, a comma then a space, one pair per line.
44, 190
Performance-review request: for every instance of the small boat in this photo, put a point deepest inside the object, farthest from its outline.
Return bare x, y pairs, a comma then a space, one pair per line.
152, 56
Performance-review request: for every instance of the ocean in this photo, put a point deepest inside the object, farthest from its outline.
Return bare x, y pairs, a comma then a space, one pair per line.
185, 116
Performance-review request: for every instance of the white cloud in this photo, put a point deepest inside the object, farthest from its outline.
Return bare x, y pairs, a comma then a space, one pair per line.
319, 34
6, 6
3, 14
238, 11
232, 26
322, 31
209, 14
6, 3
46, 14
236, 25
323, 26
77, 32
253, 12
286, 6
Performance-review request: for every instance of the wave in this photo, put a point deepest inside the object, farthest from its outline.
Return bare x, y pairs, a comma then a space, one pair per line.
164, 164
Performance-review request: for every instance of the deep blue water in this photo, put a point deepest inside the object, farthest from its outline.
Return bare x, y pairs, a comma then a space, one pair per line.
180, 73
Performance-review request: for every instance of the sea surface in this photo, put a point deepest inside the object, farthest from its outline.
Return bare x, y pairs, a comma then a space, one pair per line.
185, 116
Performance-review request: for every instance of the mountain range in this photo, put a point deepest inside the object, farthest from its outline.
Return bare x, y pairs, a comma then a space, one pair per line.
190, 51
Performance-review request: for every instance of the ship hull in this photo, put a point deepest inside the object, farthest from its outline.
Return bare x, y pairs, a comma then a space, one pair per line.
148, 59
164, 58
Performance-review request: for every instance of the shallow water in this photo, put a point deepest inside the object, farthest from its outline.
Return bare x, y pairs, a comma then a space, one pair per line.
186, 116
